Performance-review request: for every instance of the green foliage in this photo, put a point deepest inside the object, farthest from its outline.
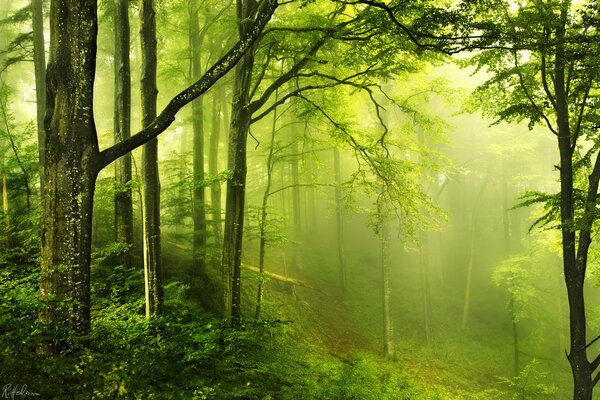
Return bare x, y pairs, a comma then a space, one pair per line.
530, 383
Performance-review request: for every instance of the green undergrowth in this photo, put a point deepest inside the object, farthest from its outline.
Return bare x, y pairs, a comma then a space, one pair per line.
185, 354
310, 345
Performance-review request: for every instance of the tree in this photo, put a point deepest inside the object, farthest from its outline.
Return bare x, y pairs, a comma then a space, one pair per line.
234, 208
198, 212
122, 122
73, 158
39, 62
542, 57
153, 272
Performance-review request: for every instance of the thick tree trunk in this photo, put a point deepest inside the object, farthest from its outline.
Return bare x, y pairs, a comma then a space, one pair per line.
198, 214
153, 273
236, 185
39, 63
71, 166
122, 122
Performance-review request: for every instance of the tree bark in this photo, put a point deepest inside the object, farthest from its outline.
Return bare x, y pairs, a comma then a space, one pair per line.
236, 185
71, 166
198, 214
153, 273
122, 126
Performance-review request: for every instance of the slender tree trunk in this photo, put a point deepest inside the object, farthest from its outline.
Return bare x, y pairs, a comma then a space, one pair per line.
5, 125
295, 182
574, 260
6, 211
425, 287
153, 273
263, 215
198, 214
71, 167
515, 335
471, 264
213, 165
506, 224
236, 185
389, 352
339, 208
39, 63
122, 121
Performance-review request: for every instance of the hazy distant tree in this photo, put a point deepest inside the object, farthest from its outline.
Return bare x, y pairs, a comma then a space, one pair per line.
39, 62
339, 218
389, 351
262, 222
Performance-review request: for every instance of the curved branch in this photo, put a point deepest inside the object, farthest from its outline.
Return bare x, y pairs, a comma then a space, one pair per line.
530, 98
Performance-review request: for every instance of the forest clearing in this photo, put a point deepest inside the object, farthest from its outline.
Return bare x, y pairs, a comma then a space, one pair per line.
299, 199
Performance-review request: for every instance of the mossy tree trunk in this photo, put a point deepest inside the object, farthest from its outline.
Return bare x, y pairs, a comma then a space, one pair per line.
71, 165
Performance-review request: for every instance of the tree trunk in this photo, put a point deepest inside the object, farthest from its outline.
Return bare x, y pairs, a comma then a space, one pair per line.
515, 334
574, 260
39, 63
213, 165
339, 208
122, 121
198, 215
425, 287
295, 182
71, 167
263, 215
5, 211
388, 323
471, 262
236, 185
153, 273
